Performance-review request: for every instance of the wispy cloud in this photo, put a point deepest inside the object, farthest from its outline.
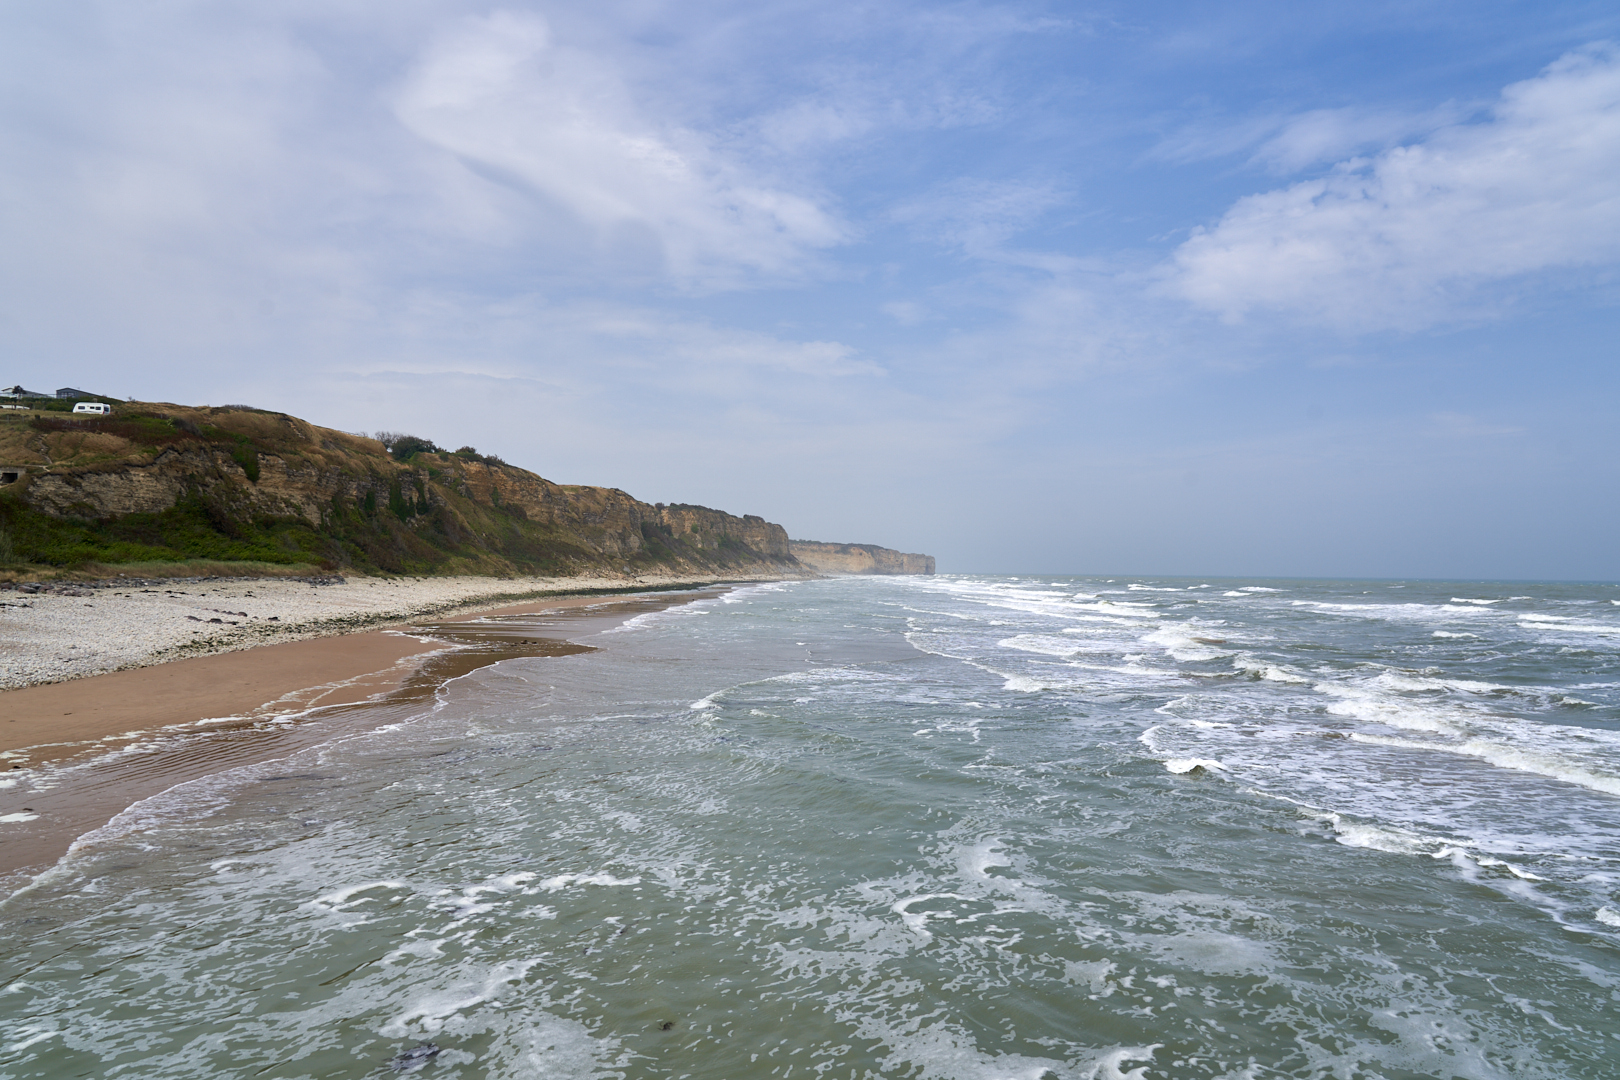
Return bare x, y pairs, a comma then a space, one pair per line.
978, 216
1403, 239
560, 125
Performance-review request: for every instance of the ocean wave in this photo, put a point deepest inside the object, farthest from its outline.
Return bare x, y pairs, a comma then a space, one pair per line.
1504, 755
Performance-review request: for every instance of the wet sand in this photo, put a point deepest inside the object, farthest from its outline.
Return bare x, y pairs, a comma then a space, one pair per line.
76, 754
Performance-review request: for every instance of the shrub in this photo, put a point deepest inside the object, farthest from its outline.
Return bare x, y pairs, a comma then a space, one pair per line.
473, 455
397, 503
246, 456
404, 447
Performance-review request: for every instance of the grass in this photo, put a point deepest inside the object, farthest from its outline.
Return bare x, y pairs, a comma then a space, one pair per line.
194, 529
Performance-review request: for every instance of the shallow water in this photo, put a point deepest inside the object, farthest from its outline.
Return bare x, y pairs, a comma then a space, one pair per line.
949, 827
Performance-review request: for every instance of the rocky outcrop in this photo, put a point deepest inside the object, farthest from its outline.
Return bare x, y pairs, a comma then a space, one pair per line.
859, 559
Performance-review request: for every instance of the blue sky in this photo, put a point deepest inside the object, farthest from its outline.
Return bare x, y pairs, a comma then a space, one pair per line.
1253, 288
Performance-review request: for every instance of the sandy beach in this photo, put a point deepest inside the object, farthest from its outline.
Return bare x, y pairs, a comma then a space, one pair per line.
72, 630
114, 694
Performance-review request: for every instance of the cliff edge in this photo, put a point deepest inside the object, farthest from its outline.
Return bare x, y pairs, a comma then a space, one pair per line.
161, 483
858, 558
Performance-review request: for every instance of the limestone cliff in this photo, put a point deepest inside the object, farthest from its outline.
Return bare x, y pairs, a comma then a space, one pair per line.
160, 481
859, 559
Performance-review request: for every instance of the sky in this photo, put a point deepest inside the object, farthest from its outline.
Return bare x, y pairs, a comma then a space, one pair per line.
1253, 288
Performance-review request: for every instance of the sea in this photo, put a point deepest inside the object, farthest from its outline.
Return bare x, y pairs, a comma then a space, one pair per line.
948, 828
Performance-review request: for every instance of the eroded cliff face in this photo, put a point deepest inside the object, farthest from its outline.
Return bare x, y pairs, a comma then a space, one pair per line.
611, 520
248, 469
859, 559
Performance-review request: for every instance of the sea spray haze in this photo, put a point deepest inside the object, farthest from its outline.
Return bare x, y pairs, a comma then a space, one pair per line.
945, 828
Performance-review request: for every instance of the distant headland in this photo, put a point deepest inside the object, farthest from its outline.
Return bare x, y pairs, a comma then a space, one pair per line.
858, 558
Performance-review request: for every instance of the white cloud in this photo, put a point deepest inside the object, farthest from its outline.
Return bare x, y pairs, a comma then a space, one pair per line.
558, 123
1405, 239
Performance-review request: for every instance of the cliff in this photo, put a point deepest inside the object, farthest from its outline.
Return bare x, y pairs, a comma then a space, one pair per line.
159, 482
859, 559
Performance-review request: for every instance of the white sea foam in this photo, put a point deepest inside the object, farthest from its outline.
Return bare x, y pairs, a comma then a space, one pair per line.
342, 897
1607, 915
1040, 643
1267, 671
748, 592
1404, 681
1361, 703
1399, 612
939, 1052
428, 1013
917, 921
1565, 625
23, 1036
1454, 634
1469, 600
979, 859
1122, 607
1025, 684
563, 881
1387, 838
1552, 765
16, 817
649, 619
1189, 643
478, 899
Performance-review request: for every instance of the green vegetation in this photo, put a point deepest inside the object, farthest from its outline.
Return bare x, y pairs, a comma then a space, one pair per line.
196, 528
140, 429
469, 454
203, 527
246, 455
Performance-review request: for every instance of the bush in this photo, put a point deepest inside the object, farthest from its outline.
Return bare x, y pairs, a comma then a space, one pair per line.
404, 447
473, 455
